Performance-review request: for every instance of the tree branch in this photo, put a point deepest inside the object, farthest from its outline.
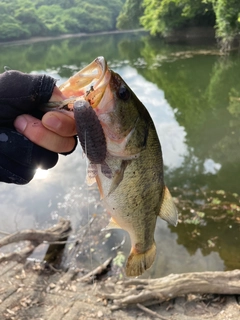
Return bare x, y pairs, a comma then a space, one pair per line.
139, 291
60, 231
57, 232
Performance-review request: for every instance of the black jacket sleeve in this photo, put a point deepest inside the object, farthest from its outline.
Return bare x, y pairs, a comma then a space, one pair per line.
22, 93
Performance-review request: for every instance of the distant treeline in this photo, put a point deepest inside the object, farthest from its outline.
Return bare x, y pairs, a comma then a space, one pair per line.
30, 18
161, 16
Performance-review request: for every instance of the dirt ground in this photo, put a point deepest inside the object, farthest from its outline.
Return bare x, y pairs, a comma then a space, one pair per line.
36, 292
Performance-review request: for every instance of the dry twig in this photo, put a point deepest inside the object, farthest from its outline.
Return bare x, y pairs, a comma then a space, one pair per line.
99, 270
152, 313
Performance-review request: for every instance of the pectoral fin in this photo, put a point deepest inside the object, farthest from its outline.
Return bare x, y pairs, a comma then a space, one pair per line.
91, 174
168, 211
118, 176
100, 188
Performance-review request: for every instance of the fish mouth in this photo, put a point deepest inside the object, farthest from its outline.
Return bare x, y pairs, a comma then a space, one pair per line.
88, 84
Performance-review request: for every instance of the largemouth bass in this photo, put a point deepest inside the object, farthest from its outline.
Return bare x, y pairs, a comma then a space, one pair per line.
129, 169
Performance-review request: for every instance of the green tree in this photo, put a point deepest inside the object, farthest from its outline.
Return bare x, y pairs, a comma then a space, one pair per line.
30, 21
130, 15
227, 19
11, 29
53, 17
162, 16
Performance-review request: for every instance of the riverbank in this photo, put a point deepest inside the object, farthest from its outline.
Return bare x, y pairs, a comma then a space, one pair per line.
193, 34
66, 36
42, 290
34, 293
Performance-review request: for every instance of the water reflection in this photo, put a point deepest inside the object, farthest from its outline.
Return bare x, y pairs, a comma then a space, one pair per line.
194, 102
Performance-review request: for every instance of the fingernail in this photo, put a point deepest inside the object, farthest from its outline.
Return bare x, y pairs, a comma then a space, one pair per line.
52, 121
20, 124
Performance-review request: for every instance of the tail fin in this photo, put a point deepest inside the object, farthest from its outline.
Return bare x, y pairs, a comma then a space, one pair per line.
138, 263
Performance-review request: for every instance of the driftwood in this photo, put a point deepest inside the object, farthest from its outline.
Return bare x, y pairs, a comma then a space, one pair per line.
58, 232
140, 293
18, 256
154, 291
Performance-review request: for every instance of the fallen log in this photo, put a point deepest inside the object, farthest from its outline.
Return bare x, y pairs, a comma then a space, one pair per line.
58, 232
18, 256
154, 291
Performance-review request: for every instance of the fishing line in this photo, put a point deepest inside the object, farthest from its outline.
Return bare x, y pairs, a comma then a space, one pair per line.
88, 201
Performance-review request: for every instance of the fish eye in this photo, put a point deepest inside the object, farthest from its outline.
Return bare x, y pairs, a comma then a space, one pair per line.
124, 93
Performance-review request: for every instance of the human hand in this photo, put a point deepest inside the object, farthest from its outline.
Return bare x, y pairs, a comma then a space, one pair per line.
55, 131
20, 96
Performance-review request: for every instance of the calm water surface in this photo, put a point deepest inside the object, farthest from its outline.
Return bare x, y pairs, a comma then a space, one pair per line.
193, 95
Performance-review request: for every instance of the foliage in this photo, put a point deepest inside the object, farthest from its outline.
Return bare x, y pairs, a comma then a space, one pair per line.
130, 15
53, 17
10, 28
227, 19
25, 18
161, 16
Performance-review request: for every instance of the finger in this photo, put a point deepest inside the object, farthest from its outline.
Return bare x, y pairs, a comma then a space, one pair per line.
57, 95
19, 157
33, 129
61, 123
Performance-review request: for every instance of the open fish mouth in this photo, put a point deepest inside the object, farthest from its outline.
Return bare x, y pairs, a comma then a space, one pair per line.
88, 84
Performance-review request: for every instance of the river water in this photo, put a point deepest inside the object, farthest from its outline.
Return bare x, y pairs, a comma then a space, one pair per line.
193, 96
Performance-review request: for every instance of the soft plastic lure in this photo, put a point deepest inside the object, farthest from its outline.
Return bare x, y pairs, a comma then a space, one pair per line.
90, 132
